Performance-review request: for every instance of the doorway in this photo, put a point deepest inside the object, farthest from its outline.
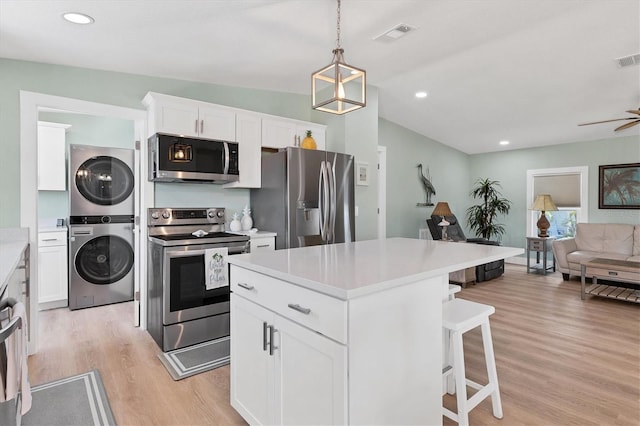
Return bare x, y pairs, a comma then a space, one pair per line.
31, 106
382, 192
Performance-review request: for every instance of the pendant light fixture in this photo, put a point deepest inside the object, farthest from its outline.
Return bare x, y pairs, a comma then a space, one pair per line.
338, 88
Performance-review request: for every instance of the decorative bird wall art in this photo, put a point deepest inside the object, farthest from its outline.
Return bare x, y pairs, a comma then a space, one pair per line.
429, 190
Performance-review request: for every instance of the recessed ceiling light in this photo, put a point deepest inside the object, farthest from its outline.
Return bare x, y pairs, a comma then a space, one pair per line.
421, 94
504, 142
78, 18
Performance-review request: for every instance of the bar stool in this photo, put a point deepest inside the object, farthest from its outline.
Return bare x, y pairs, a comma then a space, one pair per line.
460, 316
453, 289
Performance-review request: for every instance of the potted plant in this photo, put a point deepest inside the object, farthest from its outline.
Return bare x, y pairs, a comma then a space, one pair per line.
482, 217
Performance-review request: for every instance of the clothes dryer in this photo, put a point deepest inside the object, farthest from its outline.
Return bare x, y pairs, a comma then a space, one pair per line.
101, 260
101, 181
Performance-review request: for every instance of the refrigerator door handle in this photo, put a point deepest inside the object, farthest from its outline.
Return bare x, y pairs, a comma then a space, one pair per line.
327, 202
321, 201
331, 172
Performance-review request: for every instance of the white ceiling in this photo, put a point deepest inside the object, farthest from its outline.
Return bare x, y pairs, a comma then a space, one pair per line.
527, 71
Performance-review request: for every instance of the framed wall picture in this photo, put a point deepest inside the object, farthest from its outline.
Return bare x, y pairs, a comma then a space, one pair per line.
619, 186
362, 173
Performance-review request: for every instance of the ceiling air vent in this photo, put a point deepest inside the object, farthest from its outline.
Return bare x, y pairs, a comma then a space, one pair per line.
629, 60
395, 33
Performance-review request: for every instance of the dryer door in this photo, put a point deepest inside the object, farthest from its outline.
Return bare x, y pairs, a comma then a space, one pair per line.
104, 260
104, 180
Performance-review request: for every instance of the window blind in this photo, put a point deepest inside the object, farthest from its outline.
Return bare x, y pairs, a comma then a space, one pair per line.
564, 189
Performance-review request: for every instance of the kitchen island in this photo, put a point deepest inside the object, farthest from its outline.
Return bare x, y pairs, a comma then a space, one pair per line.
345, 333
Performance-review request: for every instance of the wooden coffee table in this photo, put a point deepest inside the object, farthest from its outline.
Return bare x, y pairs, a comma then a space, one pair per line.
611, 270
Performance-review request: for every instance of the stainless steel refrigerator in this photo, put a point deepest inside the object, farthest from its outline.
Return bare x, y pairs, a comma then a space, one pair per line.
307, 197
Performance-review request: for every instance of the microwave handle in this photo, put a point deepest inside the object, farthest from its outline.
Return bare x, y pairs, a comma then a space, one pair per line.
226, 158
153, 161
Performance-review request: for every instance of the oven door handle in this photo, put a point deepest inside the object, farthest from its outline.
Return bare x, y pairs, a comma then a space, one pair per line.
231, 249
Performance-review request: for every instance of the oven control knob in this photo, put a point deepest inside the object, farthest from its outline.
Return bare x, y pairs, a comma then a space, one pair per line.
211, 213
220, 213
155, 215
166, 215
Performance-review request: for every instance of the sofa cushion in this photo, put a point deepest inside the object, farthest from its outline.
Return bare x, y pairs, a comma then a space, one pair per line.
636, 240
611, 238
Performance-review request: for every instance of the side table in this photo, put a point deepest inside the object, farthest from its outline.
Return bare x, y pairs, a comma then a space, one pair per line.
540, 245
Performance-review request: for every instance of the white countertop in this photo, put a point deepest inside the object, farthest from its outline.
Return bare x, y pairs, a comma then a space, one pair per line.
256, 234
52, 228
350, 270
13, 241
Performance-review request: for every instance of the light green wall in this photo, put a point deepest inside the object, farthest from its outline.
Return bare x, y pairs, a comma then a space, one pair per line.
127, 90
448, 168
357, 133
510, 168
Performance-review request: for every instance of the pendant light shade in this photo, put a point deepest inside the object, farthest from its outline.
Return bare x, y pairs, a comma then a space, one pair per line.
339, 87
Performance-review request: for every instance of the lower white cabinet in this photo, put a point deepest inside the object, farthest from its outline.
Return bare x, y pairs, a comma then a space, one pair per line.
301, 356
52, 269
282, 372
262, 243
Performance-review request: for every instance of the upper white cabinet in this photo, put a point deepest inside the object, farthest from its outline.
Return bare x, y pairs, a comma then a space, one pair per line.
281, 133
251, 130
248, 136
179, 116
52, 175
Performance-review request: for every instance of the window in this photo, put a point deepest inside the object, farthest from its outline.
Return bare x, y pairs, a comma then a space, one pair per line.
568, 189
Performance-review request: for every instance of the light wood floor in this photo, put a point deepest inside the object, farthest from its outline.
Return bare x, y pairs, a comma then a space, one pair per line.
561, 360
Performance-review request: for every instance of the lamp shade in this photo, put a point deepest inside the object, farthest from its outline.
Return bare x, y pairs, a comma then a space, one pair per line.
543, 203
442, 209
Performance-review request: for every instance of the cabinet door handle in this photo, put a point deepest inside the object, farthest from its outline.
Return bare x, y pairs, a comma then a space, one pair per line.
299, 308
264, 336
246, 286
262, 245
196, 131
201, 126
49, 239
272, 331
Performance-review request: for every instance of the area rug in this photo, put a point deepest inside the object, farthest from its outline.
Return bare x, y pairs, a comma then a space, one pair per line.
185, 362
76, 400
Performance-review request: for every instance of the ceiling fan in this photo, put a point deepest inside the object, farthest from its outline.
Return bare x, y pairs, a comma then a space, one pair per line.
635, 121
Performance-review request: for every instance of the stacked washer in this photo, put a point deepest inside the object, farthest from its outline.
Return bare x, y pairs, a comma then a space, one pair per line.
101, 209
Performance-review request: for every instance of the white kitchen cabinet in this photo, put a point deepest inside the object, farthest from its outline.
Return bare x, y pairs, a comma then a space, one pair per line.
248, 136
281, 133
186, 117
259, 243
52, 269
283, 370
52, 174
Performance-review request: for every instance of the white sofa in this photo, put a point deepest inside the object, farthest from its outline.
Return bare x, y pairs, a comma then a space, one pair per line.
604, 240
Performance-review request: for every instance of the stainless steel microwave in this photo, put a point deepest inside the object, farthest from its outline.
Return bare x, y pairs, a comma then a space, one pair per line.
181, 159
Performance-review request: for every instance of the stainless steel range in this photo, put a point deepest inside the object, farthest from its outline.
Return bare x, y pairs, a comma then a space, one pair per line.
184, 309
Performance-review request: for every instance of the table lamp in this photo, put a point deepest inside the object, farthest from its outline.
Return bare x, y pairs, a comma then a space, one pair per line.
543, 203
442, 209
